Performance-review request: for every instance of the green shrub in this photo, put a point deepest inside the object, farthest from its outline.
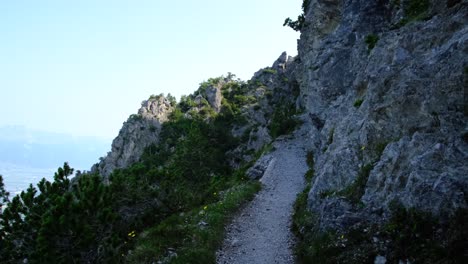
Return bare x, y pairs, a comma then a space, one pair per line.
358, 103
195, 235
380, 149
135, 117
271, 71
283, 122
414, 10
309, 175
246, 135
303, 222
310, 162
298, 24
331, 135
64, 222
409, 235
355, 191
371, 41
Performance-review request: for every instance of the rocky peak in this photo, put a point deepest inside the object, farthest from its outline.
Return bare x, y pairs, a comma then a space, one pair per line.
137, 133
214, 96
282, 62
156, 108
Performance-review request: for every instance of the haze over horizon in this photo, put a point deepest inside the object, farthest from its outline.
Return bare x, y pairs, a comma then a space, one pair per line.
82, 68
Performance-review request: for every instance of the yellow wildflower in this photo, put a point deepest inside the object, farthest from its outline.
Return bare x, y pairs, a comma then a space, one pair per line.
205, 207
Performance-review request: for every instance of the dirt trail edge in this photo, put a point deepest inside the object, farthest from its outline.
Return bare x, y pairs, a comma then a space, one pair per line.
261, 232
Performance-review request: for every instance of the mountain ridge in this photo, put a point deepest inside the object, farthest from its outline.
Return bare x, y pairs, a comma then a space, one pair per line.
376, 103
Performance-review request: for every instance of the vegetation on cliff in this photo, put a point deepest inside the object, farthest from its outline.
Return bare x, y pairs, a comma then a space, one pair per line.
177, 198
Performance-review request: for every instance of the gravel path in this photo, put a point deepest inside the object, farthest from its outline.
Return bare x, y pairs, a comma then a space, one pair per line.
261, 232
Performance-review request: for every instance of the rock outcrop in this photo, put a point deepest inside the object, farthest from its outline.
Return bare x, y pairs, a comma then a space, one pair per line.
214, 97
384, 87
137, 133
272, 90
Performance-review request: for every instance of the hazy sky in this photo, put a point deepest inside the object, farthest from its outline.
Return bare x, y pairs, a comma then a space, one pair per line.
82, 67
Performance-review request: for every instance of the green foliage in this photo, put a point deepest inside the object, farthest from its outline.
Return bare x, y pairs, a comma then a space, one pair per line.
211, 82
171, 99
245, 135
331, 247
89, 221
371, 41
134, 117
283, 121
244, 100
310, 162
379, 148
414, 10
4, 195
59, 222
186, 103
156, 97
355, 191
298, 24
314, 68
4, 198
409, 235
97, 220
310, 159
331, 135
310, 174
196, 234
406, 228
395, 3
418, 237
327, 193
271, 71
358, 102
303, 221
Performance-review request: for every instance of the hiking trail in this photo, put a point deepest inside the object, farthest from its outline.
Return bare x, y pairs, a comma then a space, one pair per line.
261, 231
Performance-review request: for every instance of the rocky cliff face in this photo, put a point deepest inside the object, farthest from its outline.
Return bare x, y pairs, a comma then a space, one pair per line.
384, 83
383, 86
137, 133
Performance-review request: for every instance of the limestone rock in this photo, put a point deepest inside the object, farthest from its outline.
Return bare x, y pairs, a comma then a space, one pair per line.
138, 132
256, 172
397, 107
214, 97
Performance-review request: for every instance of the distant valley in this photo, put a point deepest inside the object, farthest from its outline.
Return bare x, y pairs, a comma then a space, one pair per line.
27, 155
